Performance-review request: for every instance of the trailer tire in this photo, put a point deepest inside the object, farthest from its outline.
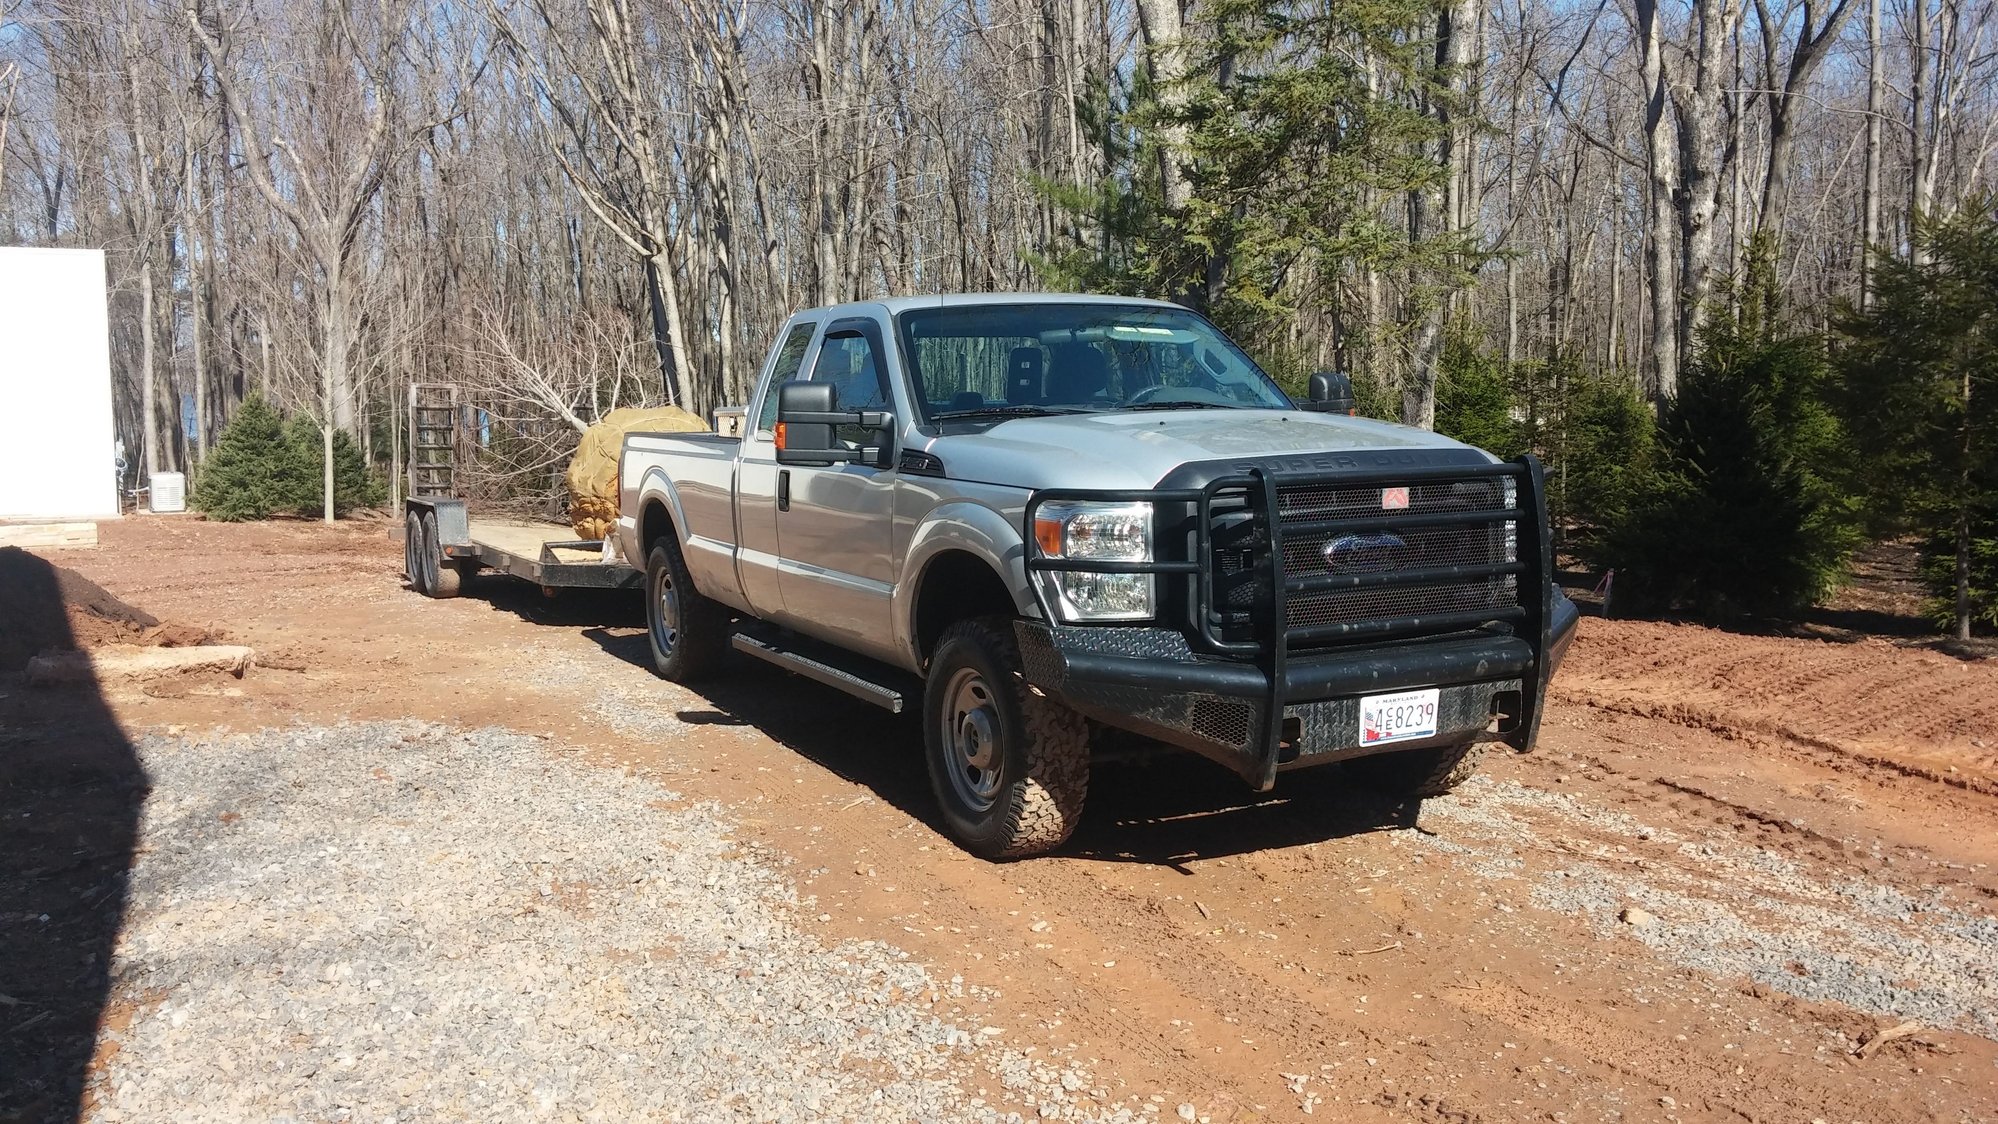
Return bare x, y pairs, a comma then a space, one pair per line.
412, 552
688, 633
440, 578
1418, 773
1008, 764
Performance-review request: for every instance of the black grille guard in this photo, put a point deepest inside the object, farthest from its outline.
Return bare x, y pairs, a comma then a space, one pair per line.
1270, 653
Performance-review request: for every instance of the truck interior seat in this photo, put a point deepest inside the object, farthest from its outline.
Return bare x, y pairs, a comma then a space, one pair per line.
1078, 374
1023, 376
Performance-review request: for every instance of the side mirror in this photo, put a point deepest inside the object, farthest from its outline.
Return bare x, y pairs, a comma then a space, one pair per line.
1331, 393
808, 417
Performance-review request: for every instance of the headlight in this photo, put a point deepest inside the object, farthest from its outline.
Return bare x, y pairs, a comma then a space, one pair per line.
1081, 531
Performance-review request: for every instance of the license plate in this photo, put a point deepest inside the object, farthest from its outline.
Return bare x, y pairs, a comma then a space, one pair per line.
1402, 716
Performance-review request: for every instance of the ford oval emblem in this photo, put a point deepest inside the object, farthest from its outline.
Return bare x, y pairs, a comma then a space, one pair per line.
1365, 554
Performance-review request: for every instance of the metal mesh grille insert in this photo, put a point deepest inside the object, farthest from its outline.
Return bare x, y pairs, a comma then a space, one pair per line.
1384, 550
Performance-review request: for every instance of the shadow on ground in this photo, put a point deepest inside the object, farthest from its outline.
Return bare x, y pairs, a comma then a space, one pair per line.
71, 789
1161, 807
572, 608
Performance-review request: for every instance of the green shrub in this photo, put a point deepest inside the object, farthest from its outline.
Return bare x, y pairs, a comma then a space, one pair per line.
1608, 448
1474, 400
247, 475
1921, 398
1939, 572
263, 464
1741, 515
353, 485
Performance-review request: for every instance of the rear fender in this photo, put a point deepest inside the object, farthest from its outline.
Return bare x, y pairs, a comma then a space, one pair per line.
655, 487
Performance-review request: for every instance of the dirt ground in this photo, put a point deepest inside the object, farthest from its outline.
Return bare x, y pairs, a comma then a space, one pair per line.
1805, 829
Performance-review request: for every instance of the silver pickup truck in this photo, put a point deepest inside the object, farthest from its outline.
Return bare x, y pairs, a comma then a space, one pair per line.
1045, 516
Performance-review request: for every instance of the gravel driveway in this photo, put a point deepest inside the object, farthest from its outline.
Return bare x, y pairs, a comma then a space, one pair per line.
400, 921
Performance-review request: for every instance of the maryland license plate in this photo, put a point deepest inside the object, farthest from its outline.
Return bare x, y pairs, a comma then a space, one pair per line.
1402, 716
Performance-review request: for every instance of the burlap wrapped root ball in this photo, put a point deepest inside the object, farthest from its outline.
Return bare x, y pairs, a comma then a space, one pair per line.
592, 518
592, 475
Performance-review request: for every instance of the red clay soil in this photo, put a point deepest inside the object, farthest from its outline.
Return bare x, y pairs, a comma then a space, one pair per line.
46, 607
1796, 813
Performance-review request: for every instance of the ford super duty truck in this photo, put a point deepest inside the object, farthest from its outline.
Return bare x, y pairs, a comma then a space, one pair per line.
1040, 517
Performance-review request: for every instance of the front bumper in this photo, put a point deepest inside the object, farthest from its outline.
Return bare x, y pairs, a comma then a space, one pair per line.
1256, 720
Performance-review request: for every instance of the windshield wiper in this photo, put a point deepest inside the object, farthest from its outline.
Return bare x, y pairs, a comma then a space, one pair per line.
1182, 405
1019, 410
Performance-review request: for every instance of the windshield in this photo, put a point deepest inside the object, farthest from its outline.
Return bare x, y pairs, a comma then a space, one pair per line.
998, 360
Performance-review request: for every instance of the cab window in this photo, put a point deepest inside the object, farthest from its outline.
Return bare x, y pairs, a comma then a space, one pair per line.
848, 362
789, 357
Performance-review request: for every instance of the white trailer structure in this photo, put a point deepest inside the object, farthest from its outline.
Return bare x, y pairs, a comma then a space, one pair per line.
56, 441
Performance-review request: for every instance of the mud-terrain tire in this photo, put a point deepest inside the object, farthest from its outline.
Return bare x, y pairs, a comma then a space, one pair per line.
688, 633
1418, 773
440, 578
1009, 765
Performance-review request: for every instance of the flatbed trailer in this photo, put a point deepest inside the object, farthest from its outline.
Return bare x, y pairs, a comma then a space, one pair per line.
443, 545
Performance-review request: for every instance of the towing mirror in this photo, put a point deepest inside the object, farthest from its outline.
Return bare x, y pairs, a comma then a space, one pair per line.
808, 421
1331, 393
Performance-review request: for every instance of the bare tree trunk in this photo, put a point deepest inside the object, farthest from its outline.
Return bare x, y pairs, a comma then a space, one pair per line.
264, 368
1615, 326
1811, 49
1920, 156
1662, 166
148, 382
1869, 236
332, 381
1160, 23
1698, 101
194, 310
1964, 492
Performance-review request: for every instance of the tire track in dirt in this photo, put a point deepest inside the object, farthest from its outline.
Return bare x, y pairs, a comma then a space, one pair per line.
1894, 702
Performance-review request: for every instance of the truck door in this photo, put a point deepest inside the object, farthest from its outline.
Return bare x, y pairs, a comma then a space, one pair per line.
835, 524
756, 478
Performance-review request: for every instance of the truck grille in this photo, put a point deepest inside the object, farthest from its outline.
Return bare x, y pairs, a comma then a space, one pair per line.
1354, 568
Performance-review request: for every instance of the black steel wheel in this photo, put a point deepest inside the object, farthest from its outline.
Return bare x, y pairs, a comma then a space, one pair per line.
688, 632
1009, 765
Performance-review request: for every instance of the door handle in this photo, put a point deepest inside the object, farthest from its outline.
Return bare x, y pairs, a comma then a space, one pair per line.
783, 489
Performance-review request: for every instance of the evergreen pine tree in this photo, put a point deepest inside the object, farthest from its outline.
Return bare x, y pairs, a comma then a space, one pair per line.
1921, 395
246, 474
1745, 514
1474, 400
304, 471
1297, 121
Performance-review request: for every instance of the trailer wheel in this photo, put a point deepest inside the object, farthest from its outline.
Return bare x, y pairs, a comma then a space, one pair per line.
412, 552
440, 578
1418, 773
688, 632
1009, 766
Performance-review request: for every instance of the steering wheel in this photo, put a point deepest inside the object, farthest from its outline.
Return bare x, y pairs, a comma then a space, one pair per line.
1147, 394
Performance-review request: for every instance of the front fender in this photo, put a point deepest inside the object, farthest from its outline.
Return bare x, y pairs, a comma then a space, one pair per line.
975, 529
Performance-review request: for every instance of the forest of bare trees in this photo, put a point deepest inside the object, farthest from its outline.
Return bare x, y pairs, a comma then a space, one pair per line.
561, 205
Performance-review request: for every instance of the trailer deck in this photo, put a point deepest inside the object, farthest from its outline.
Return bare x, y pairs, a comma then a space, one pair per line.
444, 544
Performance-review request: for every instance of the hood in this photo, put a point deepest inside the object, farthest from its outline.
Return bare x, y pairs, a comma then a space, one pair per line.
1136, 449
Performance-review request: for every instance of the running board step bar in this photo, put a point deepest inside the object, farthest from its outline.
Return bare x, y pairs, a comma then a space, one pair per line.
789, 653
